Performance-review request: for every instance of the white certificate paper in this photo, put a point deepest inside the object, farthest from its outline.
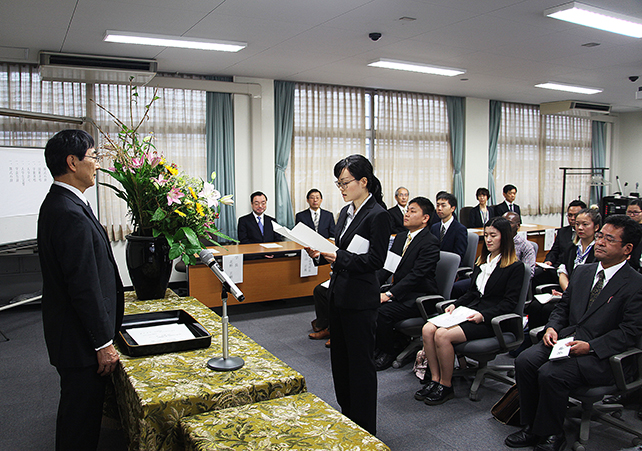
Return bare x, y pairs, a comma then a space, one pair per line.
358, 245
305, 236
560, 350
164, 333
308, 267
233, 266
392, 262
457, 316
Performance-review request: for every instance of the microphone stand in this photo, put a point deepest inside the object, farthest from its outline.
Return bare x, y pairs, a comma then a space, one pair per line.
225, 363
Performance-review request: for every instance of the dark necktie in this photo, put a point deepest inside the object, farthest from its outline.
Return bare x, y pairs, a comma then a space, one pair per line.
260, 225
442, 233
597, 289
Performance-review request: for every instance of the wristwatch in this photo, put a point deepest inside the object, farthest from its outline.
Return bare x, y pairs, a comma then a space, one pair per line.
389, 294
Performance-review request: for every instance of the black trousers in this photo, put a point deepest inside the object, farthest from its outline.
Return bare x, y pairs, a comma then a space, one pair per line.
389, 340
80, 412
321, 306
353, 366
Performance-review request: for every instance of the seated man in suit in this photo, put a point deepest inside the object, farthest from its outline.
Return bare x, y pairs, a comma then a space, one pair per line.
602, 310
414, 277
524, 250
256, 227
318, 219
452, 235
399, 211
634, 211
509, 192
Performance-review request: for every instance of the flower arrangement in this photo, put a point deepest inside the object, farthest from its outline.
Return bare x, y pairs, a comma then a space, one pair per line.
161, 199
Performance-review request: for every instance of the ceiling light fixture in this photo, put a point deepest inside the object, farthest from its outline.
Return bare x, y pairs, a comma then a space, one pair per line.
126, 37
568, 88
416, 67
593, 17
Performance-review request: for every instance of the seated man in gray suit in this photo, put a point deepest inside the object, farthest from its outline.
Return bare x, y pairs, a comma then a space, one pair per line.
318, 219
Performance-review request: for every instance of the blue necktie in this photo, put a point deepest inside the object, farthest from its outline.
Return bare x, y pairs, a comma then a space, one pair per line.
260, 225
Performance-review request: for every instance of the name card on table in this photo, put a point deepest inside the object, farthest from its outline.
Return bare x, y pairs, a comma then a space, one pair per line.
233, 266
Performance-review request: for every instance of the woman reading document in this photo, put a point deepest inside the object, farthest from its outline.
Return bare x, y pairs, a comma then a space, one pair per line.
363, 232
494, 290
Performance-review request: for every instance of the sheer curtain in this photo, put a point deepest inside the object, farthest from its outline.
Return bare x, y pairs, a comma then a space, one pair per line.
329, 124
412, 144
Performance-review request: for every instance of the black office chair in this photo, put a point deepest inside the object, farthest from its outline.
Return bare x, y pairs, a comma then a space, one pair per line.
411, 327
468, 261
464, 216
509, 335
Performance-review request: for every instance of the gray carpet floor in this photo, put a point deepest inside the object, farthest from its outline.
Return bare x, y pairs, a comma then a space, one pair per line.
29, 387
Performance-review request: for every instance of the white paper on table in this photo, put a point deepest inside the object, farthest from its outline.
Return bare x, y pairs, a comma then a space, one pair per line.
308, 268
549, 238
543, 266
392, 262
523, 234
560, 350
233, 267
543, 298
358, 245
306, 237
326, 284
457, 316
270, 245
165, 333
528, 225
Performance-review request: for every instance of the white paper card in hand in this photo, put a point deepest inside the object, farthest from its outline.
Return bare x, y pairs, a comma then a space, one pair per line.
233, 266
560, 350
549, 239
457, 316
543, 298
306, 237
326, 284
307, 265
543, 266
359, 245
392, 261
164, 333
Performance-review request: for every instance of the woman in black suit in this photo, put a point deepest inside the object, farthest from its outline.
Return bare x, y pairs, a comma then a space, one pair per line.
495, 286
480, 214
363, 232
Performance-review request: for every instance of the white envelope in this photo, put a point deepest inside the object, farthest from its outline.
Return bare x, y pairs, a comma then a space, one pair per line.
359, 245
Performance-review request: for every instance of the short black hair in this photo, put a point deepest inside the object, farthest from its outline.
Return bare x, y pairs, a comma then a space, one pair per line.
65, 143
443, 195
577, 203
631, 230
425, 204
636, 201
311, 192
256, 194
482, 192
508, 188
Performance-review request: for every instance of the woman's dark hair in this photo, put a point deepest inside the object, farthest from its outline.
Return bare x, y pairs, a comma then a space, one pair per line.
360, 167
593, 214
507, 245
482, 192
65, 143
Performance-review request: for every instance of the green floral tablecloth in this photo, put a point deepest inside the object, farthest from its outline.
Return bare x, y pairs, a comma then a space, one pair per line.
153, 393
300, 422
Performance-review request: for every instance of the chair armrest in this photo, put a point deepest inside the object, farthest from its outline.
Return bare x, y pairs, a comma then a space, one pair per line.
618, 369
496, 323
534, 333
440, 306
432, 298
547, 288
464, 272
385, 287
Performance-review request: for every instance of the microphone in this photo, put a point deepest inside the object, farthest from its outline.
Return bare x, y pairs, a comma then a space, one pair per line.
208, 258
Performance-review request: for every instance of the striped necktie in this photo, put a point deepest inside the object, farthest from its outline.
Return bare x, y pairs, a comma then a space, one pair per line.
405, 246
315, 220
442, 233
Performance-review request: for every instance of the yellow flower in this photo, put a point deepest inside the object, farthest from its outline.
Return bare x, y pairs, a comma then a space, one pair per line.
199, 209
180, 213
171, 170
193, 193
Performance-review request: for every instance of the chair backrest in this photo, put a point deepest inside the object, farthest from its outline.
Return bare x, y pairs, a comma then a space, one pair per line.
471, 250
464, 215
523, 294
535, 247
446, 271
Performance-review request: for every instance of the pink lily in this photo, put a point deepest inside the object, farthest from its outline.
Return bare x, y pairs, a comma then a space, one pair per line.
160, 180
174, 196
138, 162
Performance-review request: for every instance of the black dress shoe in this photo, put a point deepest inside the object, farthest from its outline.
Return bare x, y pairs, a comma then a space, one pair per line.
613, 399
384, 360
421, 394
552, 443
522, 438
439, 395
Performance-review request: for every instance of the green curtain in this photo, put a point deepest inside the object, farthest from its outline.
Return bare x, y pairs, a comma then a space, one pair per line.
598, 154
283, 125
455, 107
220, 151
494, 121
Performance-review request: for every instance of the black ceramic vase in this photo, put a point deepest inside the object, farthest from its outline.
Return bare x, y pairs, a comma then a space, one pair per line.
149, 265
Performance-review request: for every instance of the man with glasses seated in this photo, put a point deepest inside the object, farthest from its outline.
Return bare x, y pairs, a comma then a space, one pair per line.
256, 227
634, 211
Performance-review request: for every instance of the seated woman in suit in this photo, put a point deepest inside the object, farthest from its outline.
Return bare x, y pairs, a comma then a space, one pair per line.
495, 288
481, 213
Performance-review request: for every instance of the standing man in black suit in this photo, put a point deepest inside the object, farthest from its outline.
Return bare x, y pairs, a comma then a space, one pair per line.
510, 193
634, 211
82, 294
452, 235
398, 212
602, 310
256, 227
318, 219
413, 277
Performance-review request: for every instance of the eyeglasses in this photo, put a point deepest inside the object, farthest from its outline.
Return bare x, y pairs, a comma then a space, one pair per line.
608, 238
633, 213
342, 185
94, 157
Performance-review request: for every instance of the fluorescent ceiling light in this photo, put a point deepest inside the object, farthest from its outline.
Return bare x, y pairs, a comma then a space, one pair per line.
601, 19
417, 67
126, 37
568, 88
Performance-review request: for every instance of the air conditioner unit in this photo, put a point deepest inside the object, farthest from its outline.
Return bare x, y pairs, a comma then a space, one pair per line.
96, 69
574, 108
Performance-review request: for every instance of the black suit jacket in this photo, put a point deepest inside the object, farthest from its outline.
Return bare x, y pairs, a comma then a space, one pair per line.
326, 222
354, 284
474, 218
500, 295
249, 232
612, 323
82, 294
415, 275
502, 208
396, 220
563, 240
455, 239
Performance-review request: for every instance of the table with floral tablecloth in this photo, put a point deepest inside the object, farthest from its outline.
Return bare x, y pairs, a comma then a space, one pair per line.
154, 392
